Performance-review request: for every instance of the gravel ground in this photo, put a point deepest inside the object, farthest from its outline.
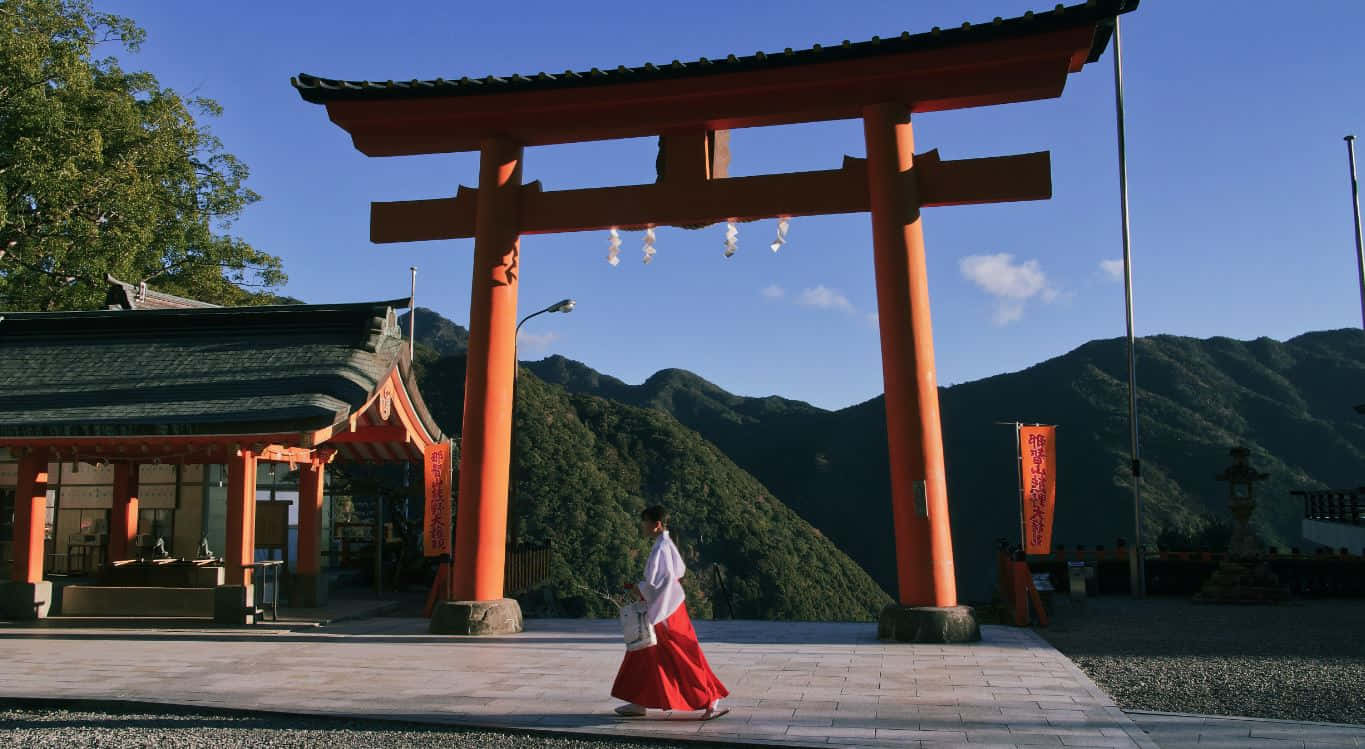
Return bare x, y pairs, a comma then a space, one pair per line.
167, 727
1299, 661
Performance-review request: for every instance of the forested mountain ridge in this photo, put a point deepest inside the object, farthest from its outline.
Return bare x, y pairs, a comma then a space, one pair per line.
587, 465
1289, 402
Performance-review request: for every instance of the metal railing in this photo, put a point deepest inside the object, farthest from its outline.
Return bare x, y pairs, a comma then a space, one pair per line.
527, 567
1334, 506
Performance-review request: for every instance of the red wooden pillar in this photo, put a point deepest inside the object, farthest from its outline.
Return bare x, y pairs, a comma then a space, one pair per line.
123, 517
30, 516
241, 517
919, 496
481, 525
310, 519
310, 585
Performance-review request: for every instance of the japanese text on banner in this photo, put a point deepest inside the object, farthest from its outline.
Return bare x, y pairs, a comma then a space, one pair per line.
1038, 472
436, 470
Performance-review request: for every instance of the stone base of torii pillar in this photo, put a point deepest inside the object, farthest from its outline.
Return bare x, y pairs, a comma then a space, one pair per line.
928, 624
501, 616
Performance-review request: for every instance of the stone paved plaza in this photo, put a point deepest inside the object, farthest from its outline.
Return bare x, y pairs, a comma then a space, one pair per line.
798, 684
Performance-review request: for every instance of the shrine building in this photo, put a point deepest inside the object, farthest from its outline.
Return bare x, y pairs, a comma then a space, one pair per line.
167, 419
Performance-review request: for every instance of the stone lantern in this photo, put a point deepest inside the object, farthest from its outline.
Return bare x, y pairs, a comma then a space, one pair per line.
1241, 477
1244, 576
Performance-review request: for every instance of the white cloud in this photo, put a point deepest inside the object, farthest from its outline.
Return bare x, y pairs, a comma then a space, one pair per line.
1008, 312
822, 297
773, 291
1011, 283
1112, 269
1000, 276
873, 319
536, 340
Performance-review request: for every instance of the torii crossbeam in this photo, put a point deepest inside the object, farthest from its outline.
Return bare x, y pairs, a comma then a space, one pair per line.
691, 107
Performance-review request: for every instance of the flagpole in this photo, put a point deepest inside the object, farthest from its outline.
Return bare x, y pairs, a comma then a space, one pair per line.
1136, 576
412, 316
1355, 205
1018, 478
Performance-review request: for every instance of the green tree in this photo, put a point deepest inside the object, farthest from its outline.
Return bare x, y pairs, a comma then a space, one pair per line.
104, 171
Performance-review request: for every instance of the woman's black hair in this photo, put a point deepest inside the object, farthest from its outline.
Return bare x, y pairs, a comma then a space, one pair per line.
655, 514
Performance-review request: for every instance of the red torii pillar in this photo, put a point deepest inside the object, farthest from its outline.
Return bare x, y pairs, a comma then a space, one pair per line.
919, 493
486, 439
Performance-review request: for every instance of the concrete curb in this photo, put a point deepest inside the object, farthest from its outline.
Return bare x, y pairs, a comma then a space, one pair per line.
1281, 721
1130, 727
98, 704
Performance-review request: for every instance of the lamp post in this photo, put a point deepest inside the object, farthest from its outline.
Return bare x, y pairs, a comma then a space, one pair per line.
566, 306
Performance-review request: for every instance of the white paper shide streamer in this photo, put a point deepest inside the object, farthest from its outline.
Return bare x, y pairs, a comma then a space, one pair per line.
731, 238
782, 224
614, 248
649, 245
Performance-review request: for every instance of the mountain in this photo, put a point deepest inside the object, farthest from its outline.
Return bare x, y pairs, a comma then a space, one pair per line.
442, 335
1290, 403
588, 465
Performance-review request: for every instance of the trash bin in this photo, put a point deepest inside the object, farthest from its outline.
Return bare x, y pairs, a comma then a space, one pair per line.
1076, 579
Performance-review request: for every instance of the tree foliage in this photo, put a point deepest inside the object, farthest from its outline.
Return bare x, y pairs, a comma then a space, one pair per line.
103, 171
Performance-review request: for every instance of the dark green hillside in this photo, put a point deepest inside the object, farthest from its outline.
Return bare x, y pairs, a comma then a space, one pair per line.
1290, 402
589, 465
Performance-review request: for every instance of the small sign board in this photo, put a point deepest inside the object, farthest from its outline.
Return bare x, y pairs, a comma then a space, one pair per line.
1042, 582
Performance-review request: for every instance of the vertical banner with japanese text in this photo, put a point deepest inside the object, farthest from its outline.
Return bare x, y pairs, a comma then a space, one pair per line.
436, 471
1038, 485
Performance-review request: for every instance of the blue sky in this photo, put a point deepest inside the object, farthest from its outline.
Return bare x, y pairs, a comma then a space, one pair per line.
1239, 192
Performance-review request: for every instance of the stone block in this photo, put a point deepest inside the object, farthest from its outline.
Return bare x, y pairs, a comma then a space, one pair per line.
310, 591
928, 624
99, 600
25, 601
497, 617
234, 604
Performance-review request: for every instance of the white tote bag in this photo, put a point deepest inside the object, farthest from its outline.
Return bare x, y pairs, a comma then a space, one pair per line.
635, 626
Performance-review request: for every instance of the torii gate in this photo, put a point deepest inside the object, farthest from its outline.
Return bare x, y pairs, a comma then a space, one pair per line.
691, 106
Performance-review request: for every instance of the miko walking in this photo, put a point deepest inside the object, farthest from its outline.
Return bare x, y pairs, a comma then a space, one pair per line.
671, 673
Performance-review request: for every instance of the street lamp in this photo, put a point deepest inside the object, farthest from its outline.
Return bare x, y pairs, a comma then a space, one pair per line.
566, 306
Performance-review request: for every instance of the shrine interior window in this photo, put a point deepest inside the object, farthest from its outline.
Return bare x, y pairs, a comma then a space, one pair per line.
157, 523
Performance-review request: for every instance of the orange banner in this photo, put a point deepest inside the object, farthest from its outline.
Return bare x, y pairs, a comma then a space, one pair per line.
1038, 485
436, 470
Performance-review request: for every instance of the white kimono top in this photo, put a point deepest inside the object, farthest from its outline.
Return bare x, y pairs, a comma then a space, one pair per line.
660, 588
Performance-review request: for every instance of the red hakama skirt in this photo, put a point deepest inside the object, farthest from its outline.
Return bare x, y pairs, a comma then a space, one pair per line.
672, 675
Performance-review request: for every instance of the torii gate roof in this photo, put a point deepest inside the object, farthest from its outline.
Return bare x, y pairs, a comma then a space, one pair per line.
1005, 60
